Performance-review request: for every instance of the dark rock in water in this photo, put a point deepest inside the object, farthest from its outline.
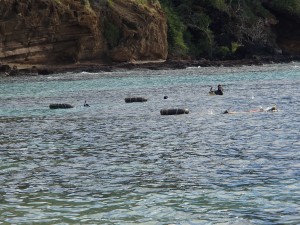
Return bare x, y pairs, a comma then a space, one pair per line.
14, 71
5, 68
23, 186
165, 97
60, 106
174, 111
44, 72
135, 99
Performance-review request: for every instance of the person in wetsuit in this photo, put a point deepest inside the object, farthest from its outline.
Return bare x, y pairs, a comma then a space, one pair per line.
217, 92
85, 104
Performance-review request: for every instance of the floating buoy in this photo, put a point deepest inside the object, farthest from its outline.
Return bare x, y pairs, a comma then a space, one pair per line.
135, 99
60, 106
174, 111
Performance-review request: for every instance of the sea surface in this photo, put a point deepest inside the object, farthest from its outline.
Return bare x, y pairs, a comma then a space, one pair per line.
124, 163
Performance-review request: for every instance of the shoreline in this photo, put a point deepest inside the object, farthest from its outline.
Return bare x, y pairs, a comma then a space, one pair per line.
17, 69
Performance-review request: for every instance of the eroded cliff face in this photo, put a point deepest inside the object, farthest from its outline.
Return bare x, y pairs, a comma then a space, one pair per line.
142, 31
48, 31
68, 31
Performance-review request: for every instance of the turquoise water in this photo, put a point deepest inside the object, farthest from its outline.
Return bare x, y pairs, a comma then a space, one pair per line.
118, 163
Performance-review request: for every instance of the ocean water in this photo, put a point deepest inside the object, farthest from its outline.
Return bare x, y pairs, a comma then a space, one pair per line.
120, 163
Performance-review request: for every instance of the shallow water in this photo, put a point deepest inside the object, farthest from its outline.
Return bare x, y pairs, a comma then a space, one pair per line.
118, 163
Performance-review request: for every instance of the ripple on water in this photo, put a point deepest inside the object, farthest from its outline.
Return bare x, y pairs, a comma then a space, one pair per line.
126, 164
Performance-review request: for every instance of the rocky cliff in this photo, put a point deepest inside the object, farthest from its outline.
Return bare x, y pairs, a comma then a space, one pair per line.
68, 31
51, 32
140, 31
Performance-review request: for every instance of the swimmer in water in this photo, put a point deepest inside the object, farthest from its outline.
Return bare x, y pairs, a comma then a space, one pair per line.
271, 109
217, 92
85, 104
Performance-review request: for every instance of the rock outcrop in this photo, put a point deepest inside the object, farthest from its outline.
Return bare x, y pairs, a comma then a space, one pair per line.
68, 31
142, 31
48, 32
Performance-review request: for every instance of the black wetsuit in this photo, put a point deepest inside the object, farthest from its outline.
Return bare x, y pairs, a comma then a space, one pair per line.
218, 92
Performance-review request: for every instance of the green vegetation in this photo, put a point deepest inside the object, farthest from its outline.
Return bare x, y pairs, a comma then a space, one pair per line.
112, 34
176, 31
291, 7
141, 2
234, 46
110, 3
222, 52
87, 5
58, 1
218, 4
189, 30
217, 28
146, 1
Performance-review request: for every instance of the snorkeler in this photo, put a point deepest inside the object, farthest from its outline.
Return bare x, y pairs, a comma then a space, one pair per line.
260, 109
217, 92
85, 104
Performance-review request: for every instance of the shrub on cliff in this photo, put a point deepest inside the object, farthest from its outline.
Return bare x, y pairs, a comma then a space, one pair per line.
112, 34
208, 28
176, 29
290, 7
